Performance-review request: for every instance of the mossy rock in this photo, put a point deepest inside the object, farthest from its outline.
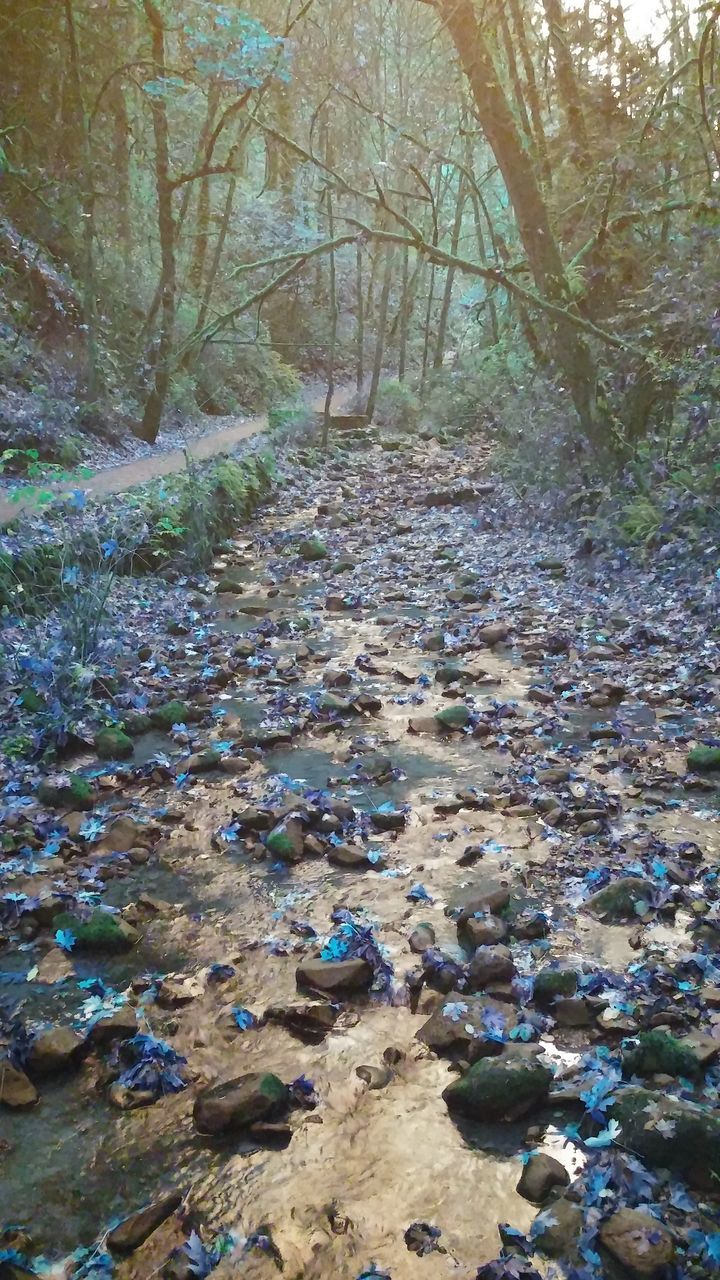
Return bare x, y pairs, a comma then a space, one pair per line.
435, 642
657, 1052
202, 761
31, 700
76, 793
230, 586
112, 744
101, 932
453, 718
450, 674
312, 549
689, 1147
137, 723
331, 702
498, 1087
343, 566
553, 983
704, 759
177, 628
170, 713
620, 900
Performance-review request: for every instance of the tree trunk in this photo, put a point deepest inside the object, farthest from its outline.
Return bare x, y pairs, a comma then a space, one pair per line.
567, 83
533, 96
202, 225
360, 331
380, 334
450, 277
90, 317
333, 327
155, 402
496, 119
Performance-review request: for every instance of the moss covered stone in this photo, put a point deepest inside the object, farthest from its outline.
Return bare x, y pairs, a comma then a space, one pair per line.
497, 1087
31, 700
112, 744
704, 759
312, 549
456, 717
689, 1145
69, 790
553, 983
229, 586
170, 713
620, 900
657, 1052
101, 932
137, 723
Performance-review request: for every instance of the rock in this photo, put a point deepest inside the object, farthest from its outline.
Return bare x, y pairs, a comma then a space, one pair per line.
690, 1148
229, 586
124, 834
491, 965
704, 759
120, 1025
133, 1231
16, 1090
103, 931
170, 713
551, 983
450, 674
482, 930
236, 1104
349, 856
53, 1050
657, 1052
454, 497
375, 1077
454, 1031
498, 1088
638, 1241
617, 901
453, 718
540, 1175
334, 976
422, 937
286, 840
312, 549
492, 633
571, 1012
479, 898
560, 1230
112, 744
309, 1022
66, 791
388, 819
201, 761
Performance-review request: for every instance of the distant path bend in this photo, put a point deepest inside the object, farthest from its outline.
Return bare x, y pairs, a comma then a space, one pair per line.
130, 475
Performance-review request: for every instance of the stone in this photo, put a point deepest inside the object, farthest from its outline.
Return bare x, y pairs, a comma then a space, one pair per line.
123, 834
102, 932
497, 1088
16, 1090
334, 976
483, 930
309, 1022
312, 549
491, 965
492, 633
66, 791
551, 983
569, 1011
560, 1231
237, 1104
617, 901
656, 1052
170, 713
388, 819
422, 937
54, 1050
201, 761
134, 1230
540, 1175
479, 898
120, 1025
453, 718
349, 856
704, 759
112, 744
286, 840
690, 1150
639, 1242
454, 1031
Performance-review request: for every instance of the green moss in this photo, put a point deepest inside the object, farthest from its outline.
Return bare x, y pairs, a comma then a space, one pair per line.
136, 723
495, 1087
312, 549
31, 700
619, 900
77, 793
657, 1052
690, 1148
456, 717
102, 932
551, 983
170, 713
112, 744
703, 759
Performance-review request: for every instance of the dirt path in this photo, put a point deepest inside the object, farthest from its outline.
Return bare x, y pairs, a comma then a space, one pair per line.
131, 475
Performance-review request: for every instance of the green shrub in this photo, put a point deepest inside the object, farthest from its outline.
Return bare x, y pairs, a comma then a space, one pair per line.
396, 406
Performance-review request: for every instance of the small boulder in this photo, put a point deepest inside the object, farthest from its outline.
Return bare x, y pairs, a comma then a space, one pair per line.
618, 901
237, 1104
639, 1242
541, 1174
498, 1088
54, 1050
491, 965
16, 1090
134, 1230
102, 932
112, 744
334, 976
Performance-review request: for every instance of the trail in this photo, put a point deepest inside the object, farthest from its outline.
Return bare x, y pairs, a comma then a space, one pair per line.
132, 475
458, 726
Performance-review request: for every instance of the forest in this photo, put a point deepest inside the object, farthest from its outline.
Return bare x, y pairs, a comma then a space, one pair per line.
359, 644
